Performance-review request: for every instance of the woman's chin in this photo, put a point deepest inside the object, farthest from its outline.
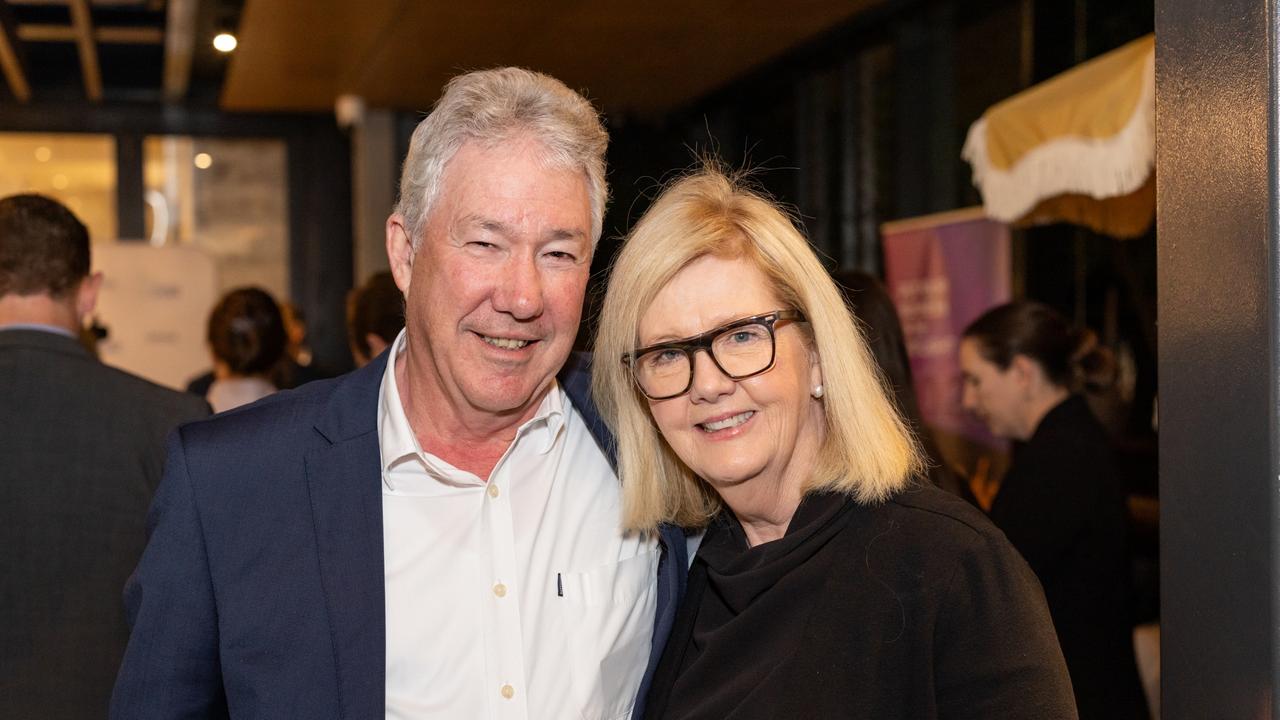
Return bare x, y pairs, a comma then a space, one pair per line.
731, 479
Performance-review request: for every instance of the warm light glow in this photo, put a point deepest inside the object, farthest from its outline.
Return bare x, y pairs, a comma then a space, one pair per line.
43, 154
203, 160
60, 182
224, 42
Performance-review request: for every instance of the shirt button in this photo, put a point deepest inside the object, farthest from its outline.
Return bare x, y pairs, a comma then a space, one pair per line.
508, 692
501, 591
493, 491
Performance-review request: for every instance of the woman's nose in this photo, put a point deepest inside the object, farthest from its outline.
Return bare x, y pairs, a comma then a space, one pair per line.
709, 382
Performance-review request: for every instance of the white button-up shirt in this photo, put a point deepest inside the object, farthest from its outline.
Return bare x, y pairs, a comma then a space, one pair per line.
519, 597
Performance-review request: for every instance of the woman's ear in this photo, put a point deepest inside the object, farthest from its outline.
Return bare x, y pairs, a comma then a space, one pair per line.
1025, 371
816, 385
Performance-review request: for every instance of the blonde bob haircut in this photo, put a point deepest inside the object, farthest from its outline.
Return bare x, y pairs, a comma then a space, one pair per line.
868, 453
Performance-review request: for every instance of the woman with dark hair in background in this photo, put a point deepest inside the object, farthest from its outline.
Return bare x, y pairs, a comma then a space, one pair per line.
375, 316
1061, 503
247, 338
871, 304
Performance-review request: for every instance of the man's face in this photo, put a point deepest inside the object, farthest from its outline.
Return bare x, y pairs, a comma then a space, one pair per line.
495, 288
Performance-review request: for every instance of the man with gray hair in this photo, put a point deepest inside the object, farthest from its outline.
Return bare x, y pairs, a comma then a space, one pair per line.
438, 533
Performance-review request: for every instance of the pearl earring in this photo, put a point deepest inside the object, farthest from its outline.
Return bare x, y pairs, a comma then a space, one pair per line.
818, 391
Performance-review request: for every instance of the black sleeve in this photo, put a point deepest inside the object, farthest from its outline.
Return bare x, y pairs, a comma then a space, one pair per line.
1044, 510
997, 655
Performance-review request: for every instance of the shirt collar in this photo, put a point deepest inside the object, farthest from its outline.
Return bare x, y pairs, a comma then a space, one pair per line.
397, 440
56, 329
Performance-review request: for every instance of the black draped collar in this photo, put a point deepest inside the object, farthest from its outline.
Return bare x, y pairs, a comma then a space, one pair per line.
741, 573
746, 612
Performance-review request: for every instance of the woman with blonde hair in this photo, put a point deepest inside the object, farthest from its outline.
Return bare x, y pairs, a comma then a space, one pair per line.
830, 582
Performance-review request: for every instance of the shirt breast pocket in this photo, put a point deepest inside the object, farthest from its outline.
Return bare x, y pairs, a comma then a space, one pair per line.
608, 616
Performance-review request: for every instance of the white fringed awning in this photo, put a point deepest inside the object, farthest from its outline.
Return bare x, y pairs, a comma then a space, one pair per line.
1079, 147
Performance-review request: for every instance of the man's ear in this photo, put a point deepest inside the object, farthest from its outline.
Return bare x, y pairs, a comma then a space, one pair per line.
87, 296
400, 252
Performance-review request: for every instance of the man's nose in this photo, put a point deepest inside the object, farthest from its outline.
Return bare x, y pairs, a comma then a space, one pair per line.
709, 382
519, 292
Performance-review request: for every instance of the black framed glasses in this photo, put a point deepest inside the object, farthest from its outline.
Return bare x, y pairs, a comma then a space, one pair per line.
740, 349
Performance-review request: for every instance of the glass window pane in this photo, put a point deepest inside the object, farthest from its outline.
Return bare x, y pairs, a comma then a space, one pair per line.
77, 170
226, 197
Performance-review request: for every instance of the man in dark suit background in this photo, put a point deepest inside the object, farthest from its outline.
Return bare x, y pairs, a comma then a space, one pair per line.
437, 534
81, 450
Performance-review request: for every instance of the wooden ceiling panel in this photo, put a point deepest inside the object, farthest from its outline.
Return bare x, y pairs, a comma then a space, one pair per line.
646, 58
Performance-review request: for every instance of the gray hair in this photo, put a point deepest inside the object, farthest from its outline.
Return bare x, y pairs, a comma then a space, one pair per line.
491, 106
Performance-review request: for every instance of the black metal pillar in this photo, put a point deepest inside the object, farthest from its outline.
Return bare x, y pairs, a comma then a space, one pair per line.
130, 203
1216, 160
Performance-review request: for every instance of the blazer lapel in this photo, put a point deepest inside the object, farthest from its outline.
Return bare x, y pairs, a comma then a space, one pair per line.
345, 480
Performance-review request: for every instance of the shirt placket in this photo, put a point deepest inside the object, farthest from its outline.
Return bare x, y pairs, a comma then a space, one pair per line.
505, 647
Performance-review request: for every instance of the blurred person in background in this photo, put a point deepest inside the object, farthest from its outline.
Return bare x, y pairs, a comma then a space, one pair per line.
297, 367
81, 450
287, 372
871, 304
832, 580
247, 338
1061, 502
375, 316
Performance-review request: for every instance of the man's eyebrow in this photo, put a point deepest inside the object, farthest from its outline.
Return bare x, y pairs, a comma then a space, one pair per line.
502, 228
484, 223
566, 234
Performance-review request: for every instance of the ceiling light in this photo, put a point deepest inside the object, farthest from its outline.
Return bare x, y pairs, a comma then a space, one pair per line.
43, 154
203, 160
60, 182
224, 42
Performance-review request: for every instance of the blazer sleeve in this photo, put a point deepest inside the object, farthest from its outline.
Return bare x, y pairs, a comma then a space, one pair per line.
997, 654
171, 667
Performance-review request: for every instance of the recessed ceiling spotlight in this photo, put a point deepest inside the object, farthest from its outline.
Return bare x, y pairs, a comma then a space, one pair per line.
203, 160
224, 42
43, 153
60, 182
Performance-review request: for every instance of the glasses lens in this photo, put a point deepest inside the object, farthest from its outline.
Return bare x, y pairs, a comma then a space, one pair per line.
662, 372
744, 350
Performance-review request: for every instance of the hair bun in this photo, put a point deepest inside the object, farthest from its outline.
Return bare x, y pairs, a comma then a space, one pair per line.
1094, 364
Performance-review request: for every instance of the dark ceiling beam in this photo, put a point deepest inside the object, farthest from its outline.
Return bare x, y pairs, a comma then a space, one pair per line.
122, 35
10, 61
82, 21
179, 47
100, 3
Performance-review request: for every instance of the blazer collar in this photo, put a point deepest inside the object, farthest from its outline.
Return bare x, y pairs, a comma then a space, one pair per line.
42, 339
575, 378
352, 409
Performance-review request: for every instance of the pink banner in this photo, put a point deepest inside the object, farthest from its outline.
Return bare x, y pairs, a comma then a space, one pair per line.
943, 271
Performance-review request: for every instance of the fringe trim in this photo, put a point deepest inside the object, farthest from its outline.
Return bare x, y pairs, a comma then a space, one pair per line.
1097, 167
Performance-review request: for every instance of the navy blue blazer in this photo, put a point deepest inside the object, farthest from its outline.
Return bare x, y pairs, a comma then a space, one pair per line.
261, 590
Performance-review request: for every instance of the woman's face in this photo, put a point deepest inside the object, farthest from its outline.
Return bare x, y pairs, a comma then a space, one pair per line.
993, 395
763, 428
